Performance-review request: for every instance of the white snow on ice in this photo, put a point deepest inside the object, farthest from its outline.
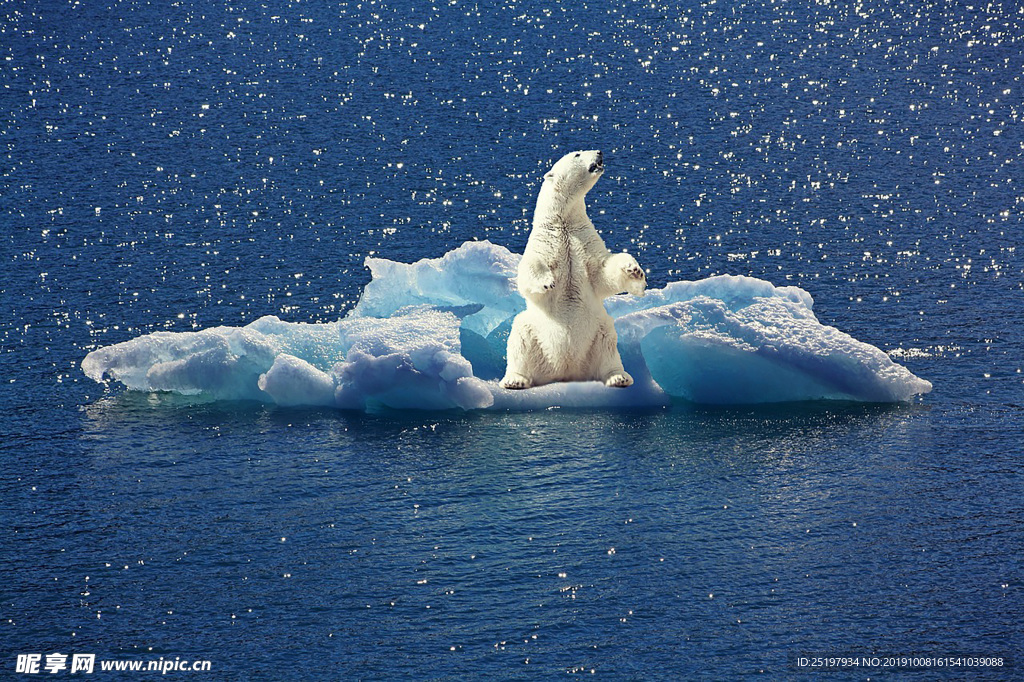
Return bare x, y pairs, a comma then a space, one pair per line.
432, 334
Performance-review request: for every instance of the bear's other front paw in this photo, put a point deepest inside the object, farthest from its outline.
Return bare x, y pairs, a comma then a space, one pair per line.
541, 286
515, 382
618, 380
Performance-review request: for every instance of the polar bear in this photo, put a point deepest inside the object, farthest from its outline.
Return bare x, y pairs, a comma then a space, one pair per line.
565, 333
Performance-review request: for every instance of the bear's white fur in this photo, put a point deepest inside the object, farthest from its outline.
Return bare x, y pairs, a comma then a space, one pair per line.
565, 333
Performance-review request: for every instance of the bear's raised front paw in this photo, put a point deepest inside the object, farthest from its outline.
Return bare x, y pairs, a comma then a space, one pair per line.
636, 278
618, 380
515, 382
634, 271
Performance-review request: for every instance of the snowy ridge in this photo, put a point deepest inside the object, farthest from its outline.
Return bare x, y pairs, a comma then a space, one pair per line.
432, 334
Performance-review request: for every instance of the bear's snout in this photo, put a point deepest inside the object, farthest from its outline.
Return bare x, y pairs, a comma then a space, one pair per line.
598, 163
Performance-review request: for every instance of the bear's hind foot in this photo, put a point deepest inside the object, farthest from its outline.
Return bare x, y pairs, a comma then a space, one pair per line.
618, 379
515, 382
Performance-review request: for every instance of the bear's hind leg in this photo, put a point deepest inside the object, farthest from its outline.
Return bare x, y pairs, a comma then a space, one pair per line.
520, 347
605, 357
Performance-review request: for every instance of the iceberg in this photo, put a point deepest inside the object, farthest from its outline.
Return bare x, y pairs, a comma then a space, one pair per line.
432, 335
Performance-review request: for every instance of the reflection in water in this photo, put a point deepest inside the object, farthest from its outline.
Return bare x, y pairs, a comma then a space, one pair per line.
545, 533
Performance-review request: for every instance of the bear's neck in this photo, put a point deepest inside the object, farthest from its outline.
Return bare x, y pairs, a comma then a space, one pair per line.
556, 210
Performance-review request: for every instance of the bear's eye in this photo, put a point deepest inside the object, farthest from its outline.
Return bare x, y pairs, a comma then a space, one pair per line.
577, 156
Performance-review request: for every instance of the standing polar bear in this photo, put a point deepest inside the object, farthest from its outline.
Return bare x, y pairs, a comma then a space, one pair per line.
565, 333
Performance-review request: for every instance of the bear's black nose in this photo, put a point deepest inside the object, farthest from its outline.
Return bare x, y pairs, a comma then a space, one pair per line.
600, 158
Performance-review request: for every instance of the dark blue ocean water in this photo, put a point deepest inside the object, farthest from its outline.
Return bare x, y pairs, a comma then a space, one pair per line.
185, 164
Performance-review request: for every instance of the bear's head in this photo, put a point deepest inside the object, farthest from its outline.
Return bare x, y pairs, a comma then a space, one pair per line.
575, 173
